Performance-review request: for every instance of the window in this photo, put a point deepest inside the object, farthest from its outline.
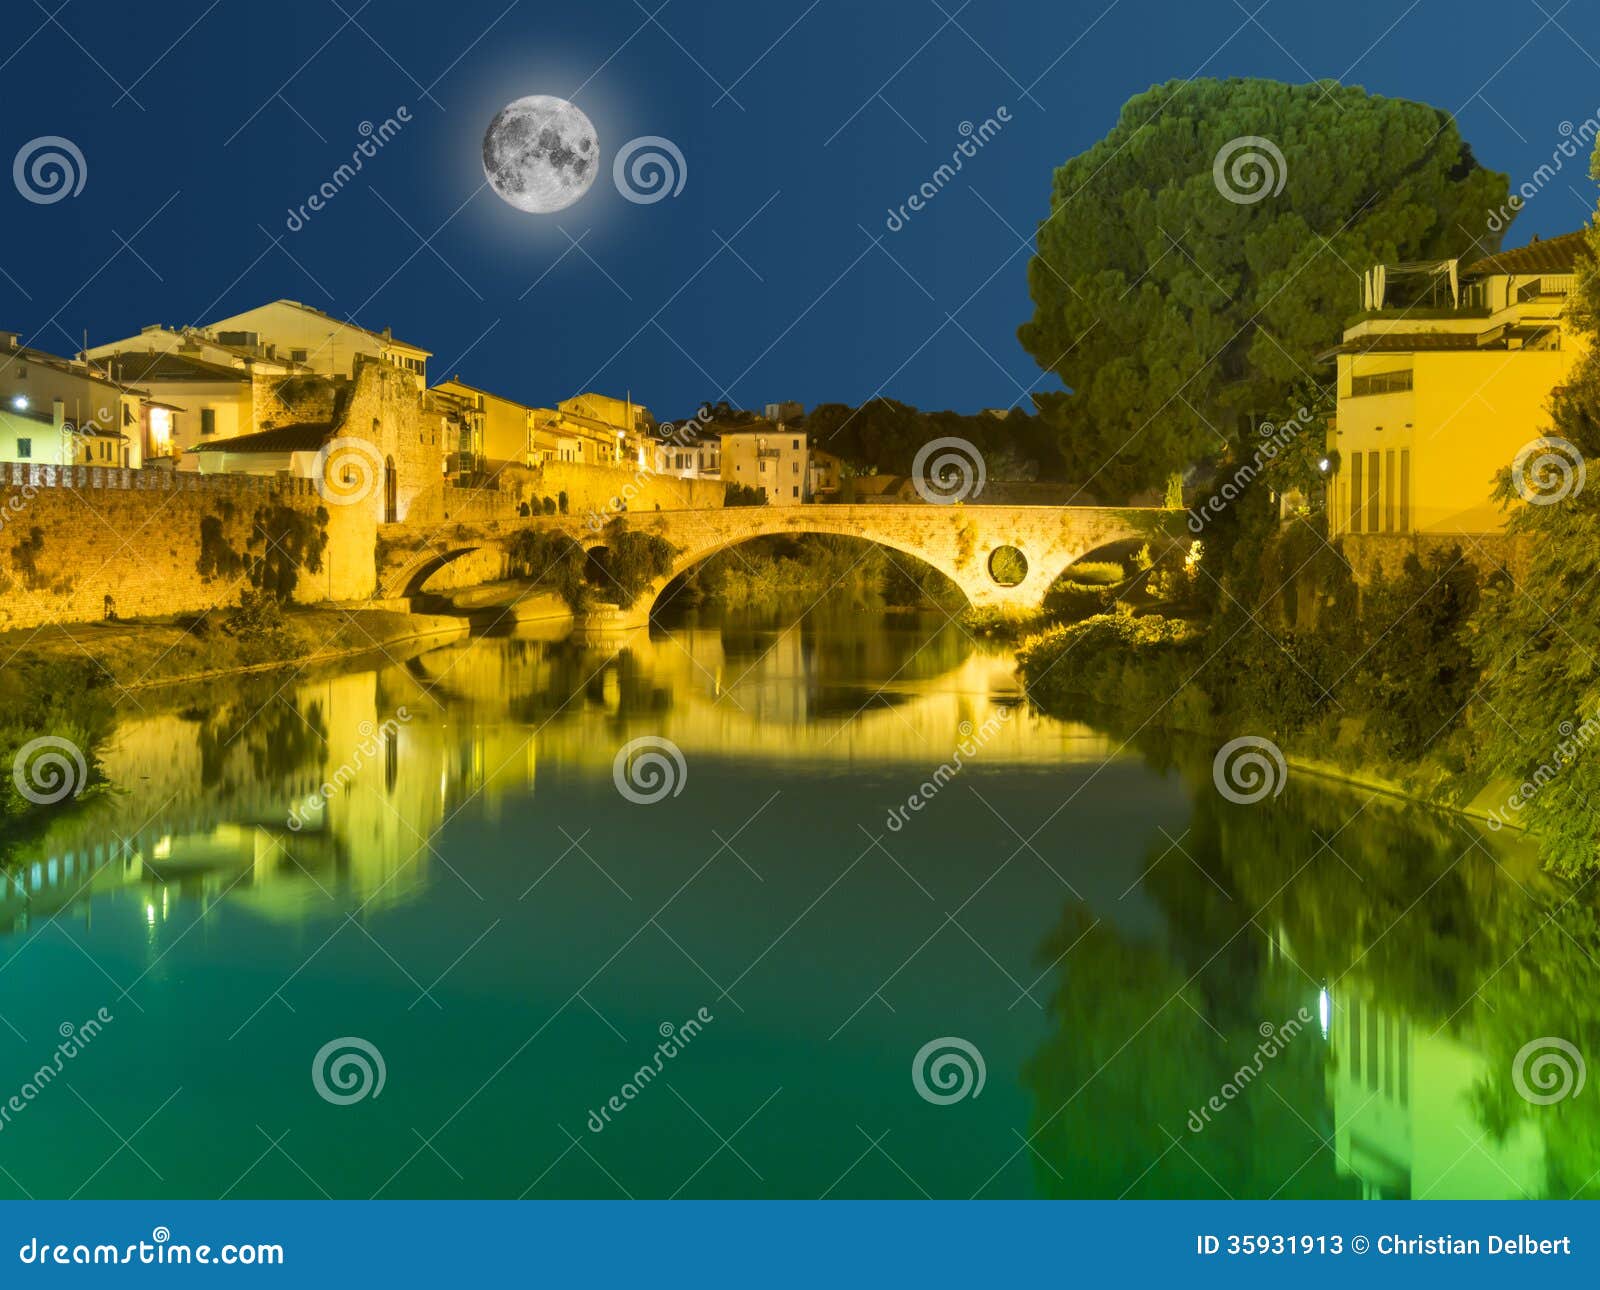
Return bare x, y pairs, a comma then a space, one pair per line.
1389, 498
208, 421
1381, 383
797, 445
1356, 492
794, 467
1373, 494
1405, 490
796, 490
298, 355
24, 449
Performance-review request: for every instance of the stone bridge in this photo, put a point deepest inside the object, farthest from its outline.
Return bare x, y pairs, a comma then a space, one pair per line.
961, 542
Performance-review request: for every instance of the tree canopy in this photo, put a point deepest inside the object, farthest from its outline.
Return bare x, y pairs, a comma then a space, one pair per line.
1197, 259
884, 435
1538, 639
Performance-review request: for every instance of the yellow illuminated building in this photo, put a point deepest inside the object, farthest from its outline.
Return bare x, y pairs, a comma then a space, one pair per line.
1443, 379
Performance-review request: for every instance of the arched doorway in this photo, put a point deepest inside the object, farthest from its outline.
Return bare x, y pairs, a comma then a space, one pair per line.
391, 501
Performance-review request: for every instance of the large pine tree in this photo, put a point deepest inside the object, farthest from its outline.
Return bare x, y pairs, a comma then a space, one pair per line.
1178, 288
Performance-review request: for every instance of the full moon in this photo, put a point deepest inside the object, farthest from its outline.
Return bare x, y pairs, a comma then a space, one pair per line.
540, 153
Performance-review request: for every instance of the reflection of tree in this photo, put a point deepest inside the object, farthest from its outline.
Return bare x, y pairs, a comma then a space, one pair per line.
1137, 1050
1546, 988
279, 733
1402, 906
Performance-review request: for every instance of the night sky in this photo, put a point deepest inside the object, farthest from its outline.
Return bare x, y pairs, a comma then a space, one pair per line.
202, 125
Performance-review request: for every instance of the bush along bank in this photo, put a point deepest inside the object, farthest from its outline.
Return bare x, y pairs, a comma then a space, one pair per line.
1375, 682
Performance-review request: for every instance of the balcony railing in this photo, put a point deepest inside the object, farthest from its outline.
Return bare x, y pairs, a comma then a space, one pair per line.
1380, 383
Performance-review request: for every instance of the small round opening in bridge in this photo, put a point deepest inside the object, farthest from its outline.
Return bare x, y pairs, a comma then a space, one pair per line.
1007, 566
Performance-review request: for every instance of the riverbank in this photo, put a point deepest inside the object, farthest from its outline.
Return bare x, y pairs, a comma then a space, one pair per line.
1153, 674
137, 655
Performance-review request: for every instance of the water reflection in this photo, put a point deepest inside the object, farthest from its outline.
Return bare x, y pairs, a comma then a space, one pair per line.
1394, 962
1426, 955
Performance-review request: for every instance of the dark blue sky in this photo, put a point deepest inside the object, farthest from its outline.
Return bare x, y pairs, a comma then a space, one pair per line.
801, 124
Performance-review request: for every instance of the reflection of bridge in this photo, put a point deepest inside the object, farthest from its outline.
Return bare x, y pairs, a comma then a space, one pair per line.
959, 541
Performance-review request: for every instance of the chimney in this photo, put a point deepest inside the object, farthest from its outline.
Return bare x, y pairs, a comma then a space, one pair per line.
58, 413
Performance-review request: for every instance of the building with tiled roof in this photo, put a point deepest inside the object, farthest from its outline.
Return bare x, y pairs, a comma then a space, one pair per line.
1442, 380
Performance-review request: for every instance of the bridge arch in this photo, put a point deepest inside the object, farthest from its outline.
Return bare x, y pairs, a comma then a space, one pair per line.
958, 541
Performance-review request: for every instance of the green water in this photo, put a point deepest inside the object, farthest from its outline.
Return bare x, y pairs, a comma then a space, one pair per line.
479, 902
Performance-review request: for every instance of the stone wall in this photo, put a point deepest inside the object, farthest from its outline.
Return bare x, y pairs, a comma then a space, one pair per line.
1383, 555
73, 539
296, 400
607, 490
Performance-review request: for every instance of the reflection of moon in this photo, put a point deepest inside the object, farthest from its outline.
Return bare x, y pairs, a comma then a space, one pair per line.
540, 153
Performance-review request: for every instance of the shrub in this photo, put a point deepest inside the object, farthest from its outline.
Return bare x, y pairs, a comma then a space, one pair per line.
257, 623
631, 561
552, 560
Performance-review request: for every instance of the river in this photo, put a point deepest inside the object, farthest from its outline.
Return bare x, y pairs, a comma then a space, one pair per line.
1124, 984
